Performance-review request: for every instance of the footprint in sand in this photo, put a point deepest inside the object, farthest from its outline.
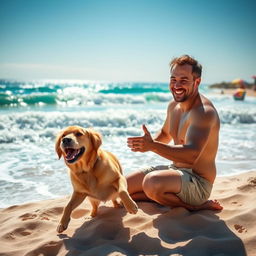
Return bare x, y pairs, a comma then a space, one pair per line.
240, 228
28, 216
25, 233
44, 218
17, 233
252, 181
31, 216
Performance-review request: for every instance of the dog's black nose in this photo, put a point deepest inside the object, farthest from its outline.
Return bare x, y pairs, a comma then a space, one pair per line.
66, 141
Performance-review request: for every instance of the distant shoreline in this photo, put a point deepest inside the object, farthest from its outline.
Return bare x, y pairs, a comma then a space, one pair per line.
222, 91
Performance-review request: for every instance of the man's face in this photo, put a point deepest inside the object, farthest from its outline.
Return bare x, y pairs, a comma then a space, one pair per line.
182, 82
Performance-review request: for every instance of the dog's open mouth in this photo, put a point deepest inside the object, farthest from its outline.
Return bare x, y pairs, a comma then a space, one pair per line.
72, 155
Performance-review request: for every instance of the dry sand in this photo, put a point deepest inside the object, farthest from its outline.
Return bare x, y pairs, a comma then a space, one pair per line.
249, 92
30, 229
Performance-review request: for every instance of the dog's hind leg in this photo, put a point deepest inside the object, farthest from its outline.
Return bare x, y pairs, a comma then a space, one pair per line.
95, 204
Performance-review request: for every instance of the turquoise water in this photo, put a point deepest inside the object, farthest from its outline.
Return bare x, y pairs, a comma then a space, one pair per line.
32, 113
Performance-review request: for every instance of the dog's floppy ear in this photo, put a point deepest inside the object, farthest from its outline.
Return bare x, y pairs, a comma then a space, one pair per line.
96, 141
57, 145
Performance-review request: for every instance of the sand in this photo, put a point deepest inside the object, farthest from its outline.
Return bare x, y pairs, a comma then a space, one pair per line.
30, 229
249, 92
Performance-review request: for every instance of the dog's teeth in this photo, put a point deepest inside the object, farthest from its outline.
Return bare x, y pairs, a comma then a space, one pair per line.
71, 153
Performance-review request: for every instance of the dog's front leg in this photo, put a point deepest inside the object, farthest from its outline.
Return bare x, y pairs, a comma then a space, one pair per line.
75, 201
127, 201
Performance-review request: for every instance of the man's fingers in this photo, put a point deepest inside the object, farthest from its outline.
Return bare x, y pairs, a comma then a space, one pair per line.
134, 145
134, 140
145, 129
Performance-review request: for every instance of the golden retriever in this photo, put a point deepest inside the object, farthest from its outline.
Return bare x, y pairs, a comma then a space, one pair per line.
94, 172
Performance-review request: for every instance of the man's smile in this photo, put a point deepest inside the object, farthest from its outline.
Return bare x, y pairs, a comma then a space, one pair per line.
178, 91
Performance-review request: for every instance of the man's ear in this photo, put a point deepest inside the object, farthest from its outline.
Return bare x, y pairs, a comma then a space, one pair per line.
197, 81
57, 145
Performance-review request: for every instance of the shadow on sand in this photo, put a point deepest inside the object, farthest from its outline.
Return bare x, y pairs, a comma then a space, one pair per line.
178, 232
202, 233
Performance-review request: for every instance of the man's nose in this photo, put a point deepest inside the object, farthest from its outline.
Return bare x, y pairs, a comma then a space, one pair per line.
177, 84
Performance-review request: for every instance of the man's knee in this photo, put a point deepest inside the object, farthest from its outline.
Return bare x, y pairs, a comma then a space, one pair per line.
151, 185
134, 182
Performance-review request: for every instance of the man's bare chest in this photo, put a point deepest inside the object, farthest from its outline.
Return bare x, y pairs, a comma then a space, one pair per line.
179, 126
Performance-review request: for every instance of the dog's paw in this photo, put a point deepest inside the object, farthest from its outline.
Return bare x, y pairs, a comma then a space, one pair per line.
117, 204
61, 228
132, 208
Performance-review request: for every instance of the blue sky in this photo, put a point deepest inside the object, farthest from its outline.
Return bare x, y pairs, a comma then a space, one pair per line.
120, 40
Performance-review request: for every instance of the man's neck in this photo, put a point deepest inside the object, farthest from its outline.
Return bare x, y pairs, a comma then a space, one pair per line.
189, 103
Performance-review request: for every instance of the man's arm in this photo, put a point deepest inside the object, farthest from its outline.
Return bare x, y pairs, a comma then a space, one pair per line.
164, 135
195, 140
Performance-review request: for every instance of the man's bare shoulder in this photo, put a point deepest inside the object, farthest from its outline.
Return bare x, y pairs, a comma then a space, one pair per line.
205, 111
172, 105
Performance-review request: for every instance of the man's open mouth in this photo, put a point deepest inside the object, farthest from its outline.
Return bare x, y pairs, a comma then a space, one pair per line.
179, 91
72, 154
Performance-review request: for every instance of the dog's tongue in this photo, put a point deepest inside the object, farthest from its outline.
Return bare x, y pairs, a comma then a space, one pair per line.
71, 153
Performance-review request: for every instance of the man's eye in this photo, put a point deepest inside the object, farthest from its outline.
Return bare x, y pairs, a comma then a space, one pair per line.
184, 81
78, 134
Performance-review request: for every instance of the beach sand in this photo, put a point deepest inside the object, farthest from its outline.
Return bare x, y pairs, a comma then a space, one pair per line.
30, 229
249, 92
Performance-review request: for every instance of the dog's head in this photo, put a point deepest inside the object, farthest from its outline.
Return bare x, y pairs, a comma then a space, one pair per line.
78, 144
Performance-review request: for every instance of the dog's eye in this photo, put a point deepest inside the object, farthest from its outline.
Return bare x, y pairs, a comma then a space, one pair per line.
78, 134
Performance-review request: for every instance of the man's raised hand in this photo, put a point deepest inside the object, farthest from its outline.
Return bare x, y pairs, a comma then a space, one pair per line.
141, 144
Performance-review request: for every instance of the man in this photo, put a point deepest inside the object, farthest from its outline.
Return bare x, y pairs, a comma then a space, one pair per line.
192, 123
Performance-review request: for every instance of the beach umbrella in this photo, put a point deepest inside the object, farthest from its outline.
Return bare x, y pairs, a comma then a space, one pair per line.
237, 81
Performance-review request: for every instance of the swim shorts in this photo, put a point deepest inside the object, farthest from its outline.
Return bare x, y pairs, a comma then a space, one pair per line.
195, 190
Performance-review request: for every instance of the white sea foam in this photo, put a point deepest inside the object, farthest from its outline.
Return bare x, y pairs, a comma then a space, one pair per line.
30, 169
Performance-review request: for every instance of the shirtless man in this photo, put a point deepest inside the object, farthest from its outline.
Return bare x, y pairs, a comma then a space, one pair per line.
193, 124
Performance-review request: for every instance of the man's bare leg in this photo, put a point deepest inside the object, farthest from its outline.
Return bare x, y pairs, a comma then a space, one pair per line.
135, 189
171, 200
134, 183
163, 186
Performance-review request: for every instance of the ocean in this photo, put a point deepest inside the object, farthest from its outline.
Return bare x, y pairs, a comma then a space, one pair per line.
33, 112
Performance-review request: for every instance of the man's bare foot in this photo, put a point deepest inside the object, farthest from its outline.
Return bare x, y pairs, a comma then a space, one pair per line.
213, 205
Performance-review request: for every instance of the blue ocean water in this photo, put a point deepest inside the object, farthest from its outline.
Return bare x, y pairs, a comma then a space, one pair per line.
33, 112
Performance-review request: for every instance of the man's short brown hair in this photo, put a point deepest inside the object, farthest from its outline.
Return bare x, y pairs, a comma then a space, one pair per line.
186, 59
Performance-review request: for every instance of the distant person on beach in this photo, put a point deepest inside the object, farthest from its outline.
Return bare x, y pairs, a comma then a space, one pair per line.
192, 123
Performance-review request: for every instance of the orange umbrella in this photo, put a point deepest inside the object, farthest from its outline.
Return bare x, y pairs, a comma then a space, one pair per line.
237, 81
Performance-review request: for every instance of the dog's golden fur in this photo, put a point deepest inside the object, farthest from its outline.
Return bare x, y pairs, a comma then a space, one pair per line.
94, 172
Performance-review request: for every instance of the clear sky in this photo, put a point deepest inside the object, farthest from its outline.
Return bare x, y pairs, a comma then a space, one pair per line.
126, 40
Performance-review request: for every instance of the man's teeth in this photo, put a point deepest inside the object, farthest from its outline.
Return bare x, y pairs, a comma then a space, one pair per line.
178, 91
